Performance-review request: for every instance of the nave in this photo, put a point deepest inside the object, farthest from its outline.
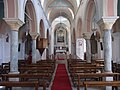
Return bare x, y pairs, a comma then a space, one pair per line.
36, 35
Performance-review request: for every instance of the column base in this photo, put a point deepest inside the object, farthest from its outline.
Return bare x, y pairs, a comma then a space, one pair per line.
108, 79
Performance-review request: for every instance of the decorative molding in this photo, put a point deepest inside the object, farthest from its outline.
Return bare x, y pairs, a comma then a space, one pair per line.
34, 35
14, 23
106, 23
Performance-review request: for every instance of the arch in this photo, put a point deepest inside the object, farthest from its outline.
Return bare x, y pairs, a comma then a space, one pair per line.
72, 4
64, 13
61, 24
31, 16
64, 21
42, 29
79, 27
29, 27
89, 14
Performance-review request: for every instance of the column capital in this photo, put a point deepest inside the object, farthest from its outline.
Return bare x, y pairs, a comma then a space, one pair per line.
106, 23
87, 35
34, 35
14, 23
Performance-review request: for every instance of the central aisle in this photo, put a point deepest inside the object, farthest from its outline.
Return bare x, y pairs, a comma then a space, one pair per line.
61, 79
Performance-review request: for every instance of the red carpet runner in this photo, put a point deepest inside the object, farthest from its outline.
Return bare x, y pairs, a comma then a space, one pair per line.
61, 79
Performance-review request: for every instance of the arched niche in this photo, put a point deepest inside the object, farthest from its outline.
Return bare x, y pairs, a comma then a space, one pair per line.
30, 17
27, 29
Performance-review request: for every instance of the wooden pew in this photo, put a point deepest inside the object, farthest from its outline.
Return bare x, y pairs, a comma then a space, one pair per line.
46, 63
78, 70
47, 70
41, 78
42, 65
101, 83
94, 75
10, 84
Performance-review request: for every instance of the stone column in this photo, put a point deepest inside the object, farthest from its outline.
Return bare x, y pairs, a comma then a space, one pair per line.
34, 36
87, 36
108, 50
106, 24
14, 25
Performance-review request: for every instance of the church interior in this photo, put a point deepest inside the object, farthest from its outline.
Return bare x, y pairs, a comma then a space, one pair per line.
59, 45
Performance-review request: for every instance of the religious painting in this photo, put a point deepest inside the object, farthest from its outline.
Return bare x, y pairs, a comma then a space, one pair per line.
60, 36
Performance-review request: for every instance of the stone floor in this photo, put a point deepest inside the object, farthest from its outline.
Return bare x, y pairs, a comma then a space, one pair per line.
49, 88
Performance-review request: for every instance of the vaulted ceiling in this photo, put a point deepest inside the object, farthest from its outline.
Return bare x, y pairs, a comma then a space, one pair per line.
64, 8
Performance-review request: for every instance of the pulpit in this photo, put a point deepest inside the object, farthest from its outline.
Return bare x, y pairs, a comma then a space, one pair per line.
42, 44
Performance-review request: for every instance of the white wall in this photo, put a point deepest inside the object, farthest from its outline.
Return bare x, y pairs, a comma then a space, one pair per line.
4, 49
116, 47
